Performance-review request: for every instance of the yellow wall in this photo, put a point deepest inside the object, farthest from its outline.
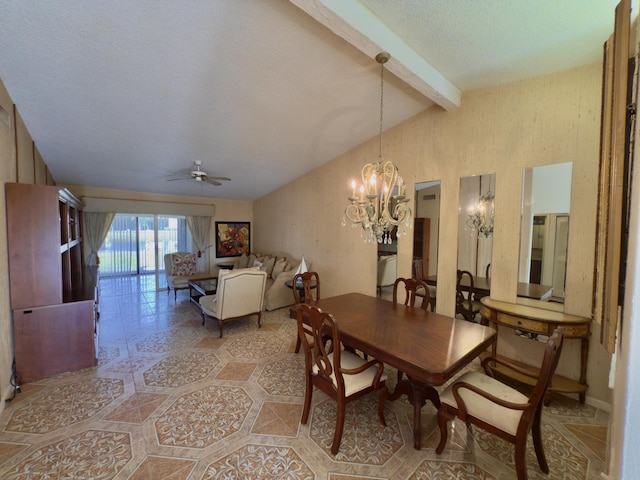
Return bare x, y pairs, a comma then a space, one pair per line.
549, 119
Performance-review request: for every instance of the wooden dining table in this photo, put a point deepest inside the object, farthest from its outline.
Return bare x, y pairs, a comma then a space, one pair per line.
428, 347
482, 287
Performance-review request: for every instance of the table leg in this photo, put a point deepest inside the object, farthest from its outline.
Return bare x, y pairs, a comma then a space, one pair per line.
417, 393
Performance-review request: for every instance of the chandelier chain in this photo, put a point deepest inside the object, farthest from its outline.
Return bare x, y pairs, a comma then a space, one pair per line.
381, 105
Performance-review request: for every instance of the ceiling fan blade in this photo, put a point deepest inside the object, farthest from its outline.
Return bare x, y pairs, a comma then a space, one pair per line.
178, 178
212, 182
225, 179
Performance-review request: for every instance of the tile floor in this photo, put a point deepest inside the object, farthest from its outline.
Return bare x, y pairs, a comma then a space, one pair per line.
170, 400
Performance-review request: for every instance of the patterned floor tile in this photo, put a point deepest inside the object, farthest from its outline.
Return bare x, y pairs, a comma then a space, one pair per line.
137, 408
237, 371
594, 437
92, 454
278, 419
159, 468
253, 462
178, 370
430, 469
65, 405
284, 377
201, 418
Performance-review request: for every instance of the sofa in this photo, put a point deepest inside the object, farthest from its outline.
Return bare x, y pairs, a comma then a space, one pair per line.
280, 267
180, 267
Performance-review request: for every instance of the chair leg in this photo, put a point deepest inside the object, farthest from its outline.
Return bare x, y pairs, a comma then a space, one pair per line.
337, 436
298, 344
220, 326
384, 393
308, 393
259, 319
520, 458
537, 442
399, 376
443, 421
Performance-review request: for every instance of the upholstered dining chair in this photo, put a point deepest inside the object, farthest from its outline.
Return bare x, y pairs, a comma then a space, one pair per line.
466, 303
306, 289
342, 375
481, 400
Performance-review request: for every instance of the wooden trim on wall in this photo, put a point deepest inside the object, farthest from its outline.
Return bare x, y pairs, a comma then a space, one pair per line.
607, 305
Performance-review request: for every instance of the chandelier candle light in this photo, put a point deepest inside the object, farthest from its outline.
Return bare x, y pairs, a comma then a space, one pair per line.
381, 203
481, 215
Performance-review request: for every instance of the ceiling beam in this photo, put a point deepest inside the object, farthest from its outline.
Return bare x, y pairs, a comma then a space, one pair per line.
358, 26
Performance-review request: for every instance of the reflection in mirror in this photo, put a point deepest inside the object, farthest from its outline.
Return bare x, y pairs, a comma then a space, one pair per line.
475, 226
544, 231
425, 234
387, 264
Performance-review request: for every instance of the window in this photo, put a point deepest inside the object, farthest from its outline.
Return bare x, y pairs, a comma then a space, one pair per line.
134, 242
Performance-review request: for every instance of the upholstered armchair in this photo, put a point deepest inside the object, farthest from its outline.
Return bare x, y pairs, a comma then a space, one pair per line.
387, 267
179, 268
240, 293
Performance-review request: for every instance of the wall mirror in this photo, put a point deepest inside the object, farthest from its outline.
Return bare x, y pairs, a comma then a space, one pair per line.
544, 233
475, 226
425, 228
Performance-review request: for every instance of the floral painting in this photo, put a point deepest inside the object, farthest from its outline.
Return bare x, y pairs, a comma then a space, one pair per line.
232, 239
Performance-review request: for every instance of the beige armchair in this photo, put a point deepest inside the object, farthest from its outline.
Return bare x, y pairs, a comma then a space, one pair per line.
240, 293
387, 267
179, 268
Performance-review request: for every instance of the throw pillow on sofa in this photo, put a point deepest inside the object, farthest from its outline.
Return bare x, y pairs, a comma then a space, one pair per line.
243, 261
267, 265
280, 266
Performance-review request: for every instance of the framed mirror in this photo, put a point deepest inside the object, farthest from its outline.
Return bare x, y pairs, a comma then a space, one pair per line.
544, 233
426, 226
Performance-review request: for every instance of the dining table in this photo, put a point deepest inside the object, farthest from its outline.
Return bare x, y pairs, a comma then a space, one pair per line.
428, 347
482, 287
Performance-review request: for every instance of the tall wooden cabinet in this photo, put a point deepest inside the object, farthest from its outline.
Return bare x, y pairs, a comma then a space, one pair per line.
53, 297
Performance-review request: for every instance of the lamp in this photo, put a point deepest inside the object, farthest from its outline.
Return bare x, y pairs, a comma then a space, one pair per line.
481, 215
381, 203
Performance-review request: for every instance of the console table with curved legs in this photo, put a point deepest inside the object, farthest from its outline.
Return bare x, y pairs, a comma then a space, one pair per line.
537, 321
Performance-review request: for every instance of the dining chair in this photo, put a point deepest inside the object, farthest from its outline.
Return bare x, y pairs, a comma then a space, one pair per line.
341, 375
487, 271
413, 289
303, 286
479, 399
466, 303
418, 274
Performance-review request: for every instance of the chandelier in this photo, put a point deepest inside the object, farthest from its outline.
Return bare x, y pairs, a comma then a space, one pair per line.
381, 203
481, 215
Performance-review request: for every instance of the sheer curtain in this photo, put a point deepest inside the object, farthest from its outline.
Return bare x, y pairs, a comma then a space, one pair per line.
200, 227
96, 228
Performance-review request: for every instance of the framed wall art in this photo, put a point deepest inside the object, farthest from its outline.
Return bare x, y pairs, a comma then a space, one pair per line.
233, 239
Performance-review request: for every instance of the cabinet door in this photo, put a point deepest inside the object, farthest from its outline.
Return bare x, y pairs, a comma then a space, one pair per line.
55, 339
33, 230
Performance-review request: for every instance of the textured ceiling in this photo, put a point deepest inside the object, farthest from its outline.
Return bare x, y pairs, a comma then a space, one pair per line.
116, 94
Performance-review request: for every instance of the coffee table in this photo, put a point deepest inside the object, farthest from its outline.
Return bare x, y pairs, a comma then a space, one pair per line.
201, 287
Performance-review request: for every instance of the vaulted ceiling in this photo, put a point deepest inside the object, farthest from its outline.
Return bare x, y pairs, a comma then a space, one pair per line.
118, 94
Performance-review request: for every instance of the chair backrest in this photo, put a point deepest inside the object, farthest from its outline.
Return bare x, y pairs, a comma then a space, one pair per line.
240, 292
180, 264
413, 288
322, 352
310, 287
549, 363
464, 287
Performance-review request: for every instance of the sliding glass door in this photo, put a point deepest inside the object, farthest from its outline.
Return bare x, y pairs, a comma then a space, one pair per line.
136, 244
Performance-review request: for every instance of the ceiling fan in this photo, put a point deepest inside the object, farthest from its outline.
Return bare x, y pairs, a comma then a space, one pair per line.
198, 175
